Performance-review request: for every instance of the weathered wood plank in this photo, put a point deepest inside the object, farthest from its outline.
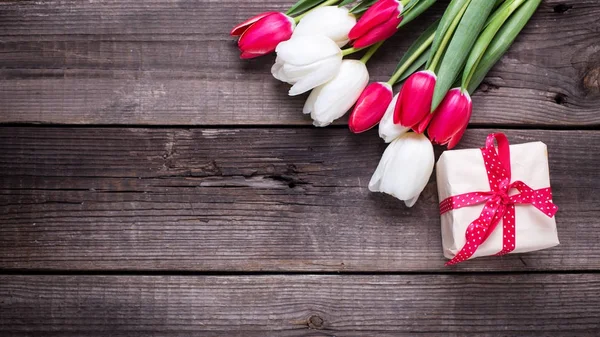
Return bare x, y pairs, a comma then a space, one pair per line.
301, 305
171, 62
250, 200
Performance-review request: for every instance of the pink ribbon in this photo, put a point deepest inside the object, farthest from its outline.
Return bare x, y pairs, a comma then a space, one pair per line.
499, 205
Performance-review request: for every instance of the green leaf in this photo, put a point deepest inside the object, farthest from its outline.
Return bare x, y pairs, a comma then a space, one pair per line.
416, 65
460, 46
362, 6
418, 43
502, 41
498, 3
500, 11
410, 5
413, 12
485, 38
345, 2
451, 12
302, 6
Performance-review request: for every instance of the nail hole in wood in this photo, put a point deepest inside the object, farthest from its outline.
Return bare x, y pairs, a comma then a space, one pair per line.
561, 8
560, 99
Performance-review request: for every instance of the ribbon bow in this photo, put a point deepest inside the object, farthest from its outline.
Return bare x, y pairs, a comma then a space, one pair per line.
499, 205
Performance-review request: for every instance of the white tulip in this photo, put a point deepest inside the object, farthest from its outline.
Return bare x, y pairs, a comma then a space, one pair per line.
332, 21
387, 129
405, 168
306, 62
333, 99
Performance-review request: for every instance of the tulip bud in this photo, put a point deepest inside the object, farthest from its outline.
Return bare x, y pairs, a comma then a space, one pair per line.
451, 118
261, 34
389, 131
405, 168
333, 99
370, 107
414, 103
378, 23
306, 62
332, 21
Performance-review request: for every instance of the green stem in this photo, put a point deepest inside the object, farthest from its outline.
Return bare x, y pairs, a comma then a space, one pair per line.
412, 59
404, 2
326, 3
447, 37
351, 50
371, 52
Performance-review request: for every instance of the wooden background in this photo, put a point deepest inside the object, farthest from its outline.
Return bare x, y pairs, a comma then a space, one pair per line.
153, 184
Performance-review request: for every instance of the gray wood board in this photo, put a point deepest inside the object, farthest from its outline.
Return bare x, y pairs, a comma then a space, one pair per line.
291, 199
172, 63
301, 305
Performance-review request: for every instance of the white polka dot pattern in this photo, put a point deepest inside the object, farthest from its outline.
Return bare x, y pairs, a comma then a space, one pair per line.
498, 204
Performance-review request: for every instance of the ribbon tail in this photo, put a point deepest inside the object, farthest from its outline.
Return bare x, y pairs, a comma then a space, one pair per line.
508, 231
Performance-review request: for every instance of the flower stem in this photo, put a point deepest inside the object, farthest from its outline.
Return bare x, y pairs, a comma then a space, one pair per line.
447, 37
351, 50
371, 52
326, 3
412, 59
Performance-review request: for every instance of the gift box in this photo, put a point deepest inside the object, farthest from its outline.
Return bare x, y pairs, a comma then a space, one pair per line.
495, 201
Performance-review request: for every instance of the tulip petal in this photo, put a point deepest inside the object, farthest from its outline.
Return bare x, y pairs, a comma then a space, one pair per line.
337, 96
415, 98
291, 73
325, 71
332, 21
411, 202
264, 36
422, 126
379, 33
380, 13
304, 50
451, 118
405, 168
277, 70
389, 131
370, 107
239, 29
456, 139
247, 55
309, 105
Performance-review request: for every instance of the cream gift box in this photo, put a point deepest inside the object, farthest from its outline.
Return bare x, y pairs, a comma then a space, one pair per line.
464, 171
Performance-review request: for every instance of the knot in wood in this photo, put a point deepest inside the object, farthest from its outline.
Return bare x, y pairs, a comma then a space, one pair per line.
591, 81
316, 322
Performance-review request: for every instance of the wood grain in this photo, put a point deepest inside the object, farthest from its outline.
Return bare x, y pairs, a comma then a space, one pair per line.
165, 62
251, 200
301, 305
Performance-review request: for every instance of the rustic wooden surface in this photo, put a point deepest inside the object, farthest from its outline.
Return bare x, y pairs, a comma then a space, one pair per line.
251, 200
301, 305
171, 62
184, 194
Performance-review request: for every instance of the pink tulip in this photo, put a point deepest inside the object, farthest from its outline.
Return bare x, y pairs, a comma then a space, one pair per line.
261, 34
378, 23
414, 104
422, 125
451, 118
370, 107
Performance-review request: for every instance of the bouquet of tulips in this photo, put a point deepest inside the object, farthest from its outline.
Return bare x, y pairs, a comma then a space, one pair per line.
436, 74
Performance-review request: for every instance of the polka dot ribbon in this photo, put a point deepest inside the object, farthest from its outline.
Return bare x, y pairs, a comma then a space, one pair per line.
499, 205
